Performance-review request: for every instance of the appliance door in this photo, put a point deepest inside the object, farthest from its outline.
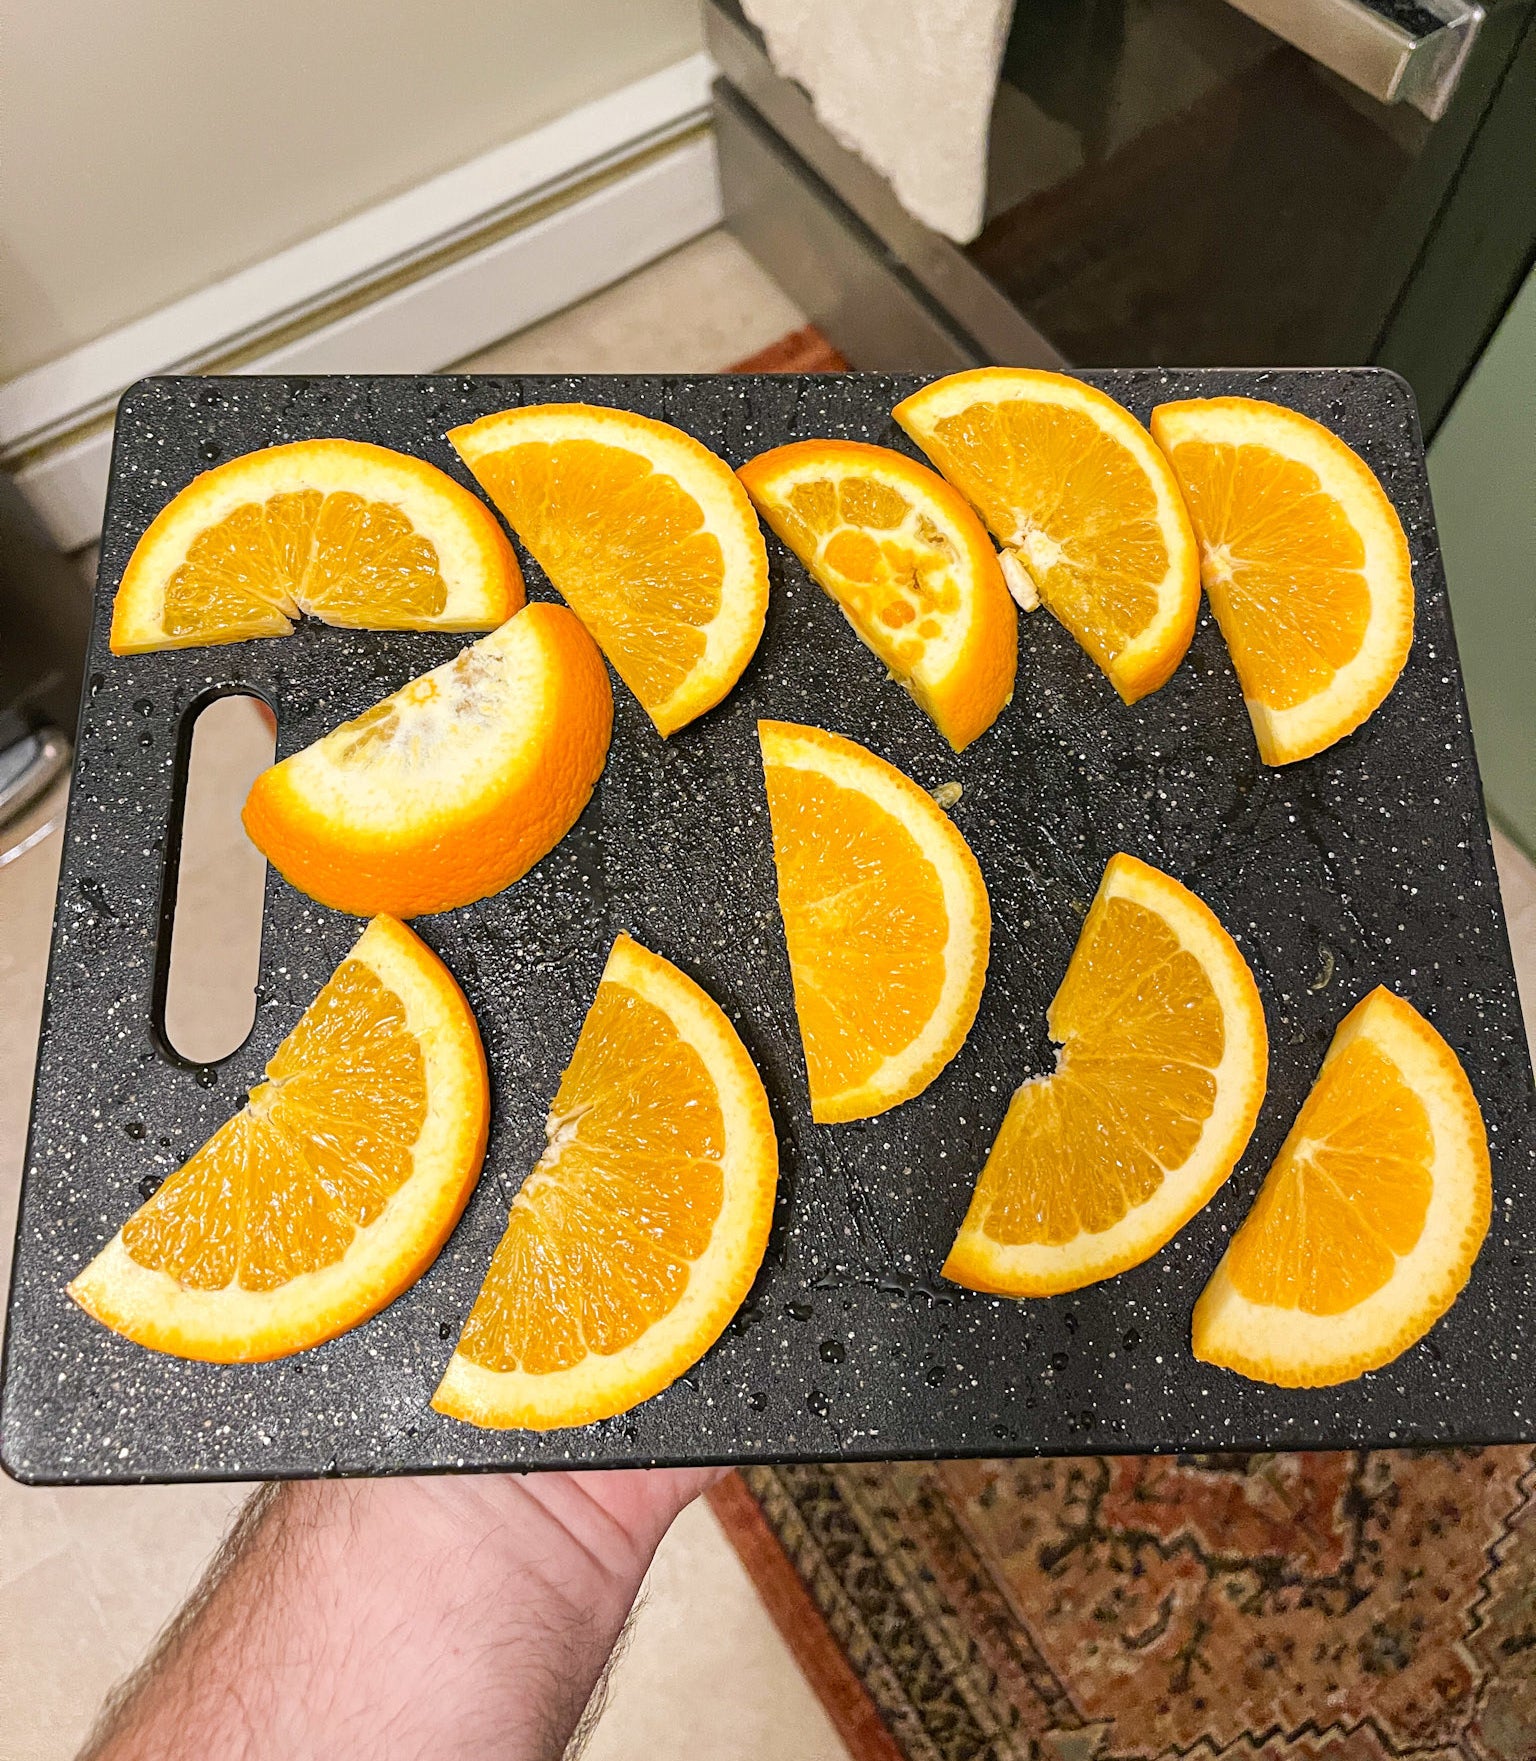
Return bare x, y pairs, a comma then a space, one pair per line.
1176, 181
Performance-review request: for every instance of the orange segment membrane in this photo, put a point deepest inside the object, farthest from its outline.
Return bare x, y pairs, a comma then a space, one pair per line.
312, 1157
1142, 1034
1347, 1196
1283, 566
865, 922
338, 556
1074, 502
626, 546
888, 565
626, 1196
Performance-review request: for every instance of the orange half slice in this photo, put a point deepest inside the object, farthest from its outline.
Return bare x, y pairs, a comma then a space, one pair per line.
645, 534
1367, 1225
1305, 565
1085, 507
1157, 1085
641, 1227
352, 534
908, 563
330, 1191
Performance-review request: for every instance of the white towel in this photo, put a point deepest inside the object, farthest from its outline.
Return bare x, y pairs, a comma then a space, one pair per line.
906, 84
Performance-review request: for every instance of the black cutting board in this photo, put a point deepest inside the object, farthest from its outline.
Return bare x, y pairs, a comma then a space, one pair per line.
1369, 864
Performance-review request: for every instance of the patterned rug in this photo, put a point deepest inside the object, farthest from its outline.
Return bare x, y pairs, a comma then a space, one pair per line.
1363, 1607
1366, 1607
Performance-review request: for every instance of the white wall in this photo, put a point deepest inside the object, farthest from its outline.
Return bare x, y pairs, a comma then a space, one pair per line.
150, 146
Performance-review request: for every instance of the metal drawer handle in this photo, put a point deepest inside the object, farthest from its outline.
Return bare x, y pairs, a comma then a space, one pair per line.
1382, 58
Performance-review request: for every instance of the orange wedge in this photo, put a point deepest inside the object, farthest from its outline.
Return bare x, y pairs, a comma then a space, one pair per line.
640, 1229
1304, 562
349, 533
908, 563
885, 915
452, 787
646, 535
1367, 1225
1157, 1086
330, 1191
1084, 505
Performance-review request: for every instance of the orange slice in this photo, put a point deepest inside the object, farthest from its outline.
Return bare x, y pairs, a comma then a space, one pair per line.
349, 533
452, 787
1304, 561
1157, 1086
330, 1191
1367, 1225
1082, 501
910, 566
646, 535
886, 918
640, 1229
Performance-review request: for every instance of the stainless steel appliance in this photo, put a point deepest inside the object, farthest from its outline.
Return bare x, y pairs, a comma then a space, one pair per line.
1188, 182
44, 625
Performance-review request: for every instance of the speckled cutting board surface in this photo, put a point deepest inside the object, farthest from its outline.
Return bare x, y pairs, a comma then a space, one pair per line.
1369, 864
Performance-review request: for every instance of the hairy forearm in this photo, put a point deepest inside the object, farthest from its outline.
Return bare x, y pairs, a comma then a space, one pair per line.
460, 1617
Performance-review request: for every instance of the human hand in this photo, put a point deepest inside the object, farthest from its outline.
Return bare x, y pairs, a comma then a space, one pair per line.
462, 1614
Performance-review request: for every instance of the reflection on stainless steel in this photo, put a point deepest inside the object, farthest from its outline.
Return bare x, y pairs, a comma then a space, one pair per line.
826, 258
34, 785
1386, 58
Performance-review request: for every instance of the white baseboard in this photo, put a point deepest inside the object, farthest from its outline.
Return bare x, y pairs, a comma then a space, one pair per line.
418, 282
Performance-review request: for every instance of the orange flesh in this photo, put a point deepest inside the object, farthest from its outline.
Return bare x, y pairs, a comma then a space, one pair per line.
1142, 1034
626, 547
865, 922
337, 555
1282, 565
1077, 505
896, 590
315, 1154
1347, 1196
605, 1228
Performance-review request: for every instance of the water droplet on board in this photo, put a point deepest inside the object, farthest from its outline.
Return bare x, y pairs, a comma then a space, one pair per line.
144, 706
799, 1311
934, 1375
135, 1129
445, 1329
757, 1400
97, 680
1058, 1360
150, 1185
207, 1077
817, 1402
210, 450
1130, 1339
831, 1351
146, 739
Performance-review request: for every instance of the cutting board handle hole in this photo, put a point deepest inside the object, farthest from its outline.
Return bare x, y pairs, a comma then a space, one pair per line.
215, 879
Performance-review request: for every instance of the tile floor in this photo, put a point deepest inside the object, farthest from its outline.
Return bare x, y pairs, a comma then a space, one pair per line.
88, 1576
